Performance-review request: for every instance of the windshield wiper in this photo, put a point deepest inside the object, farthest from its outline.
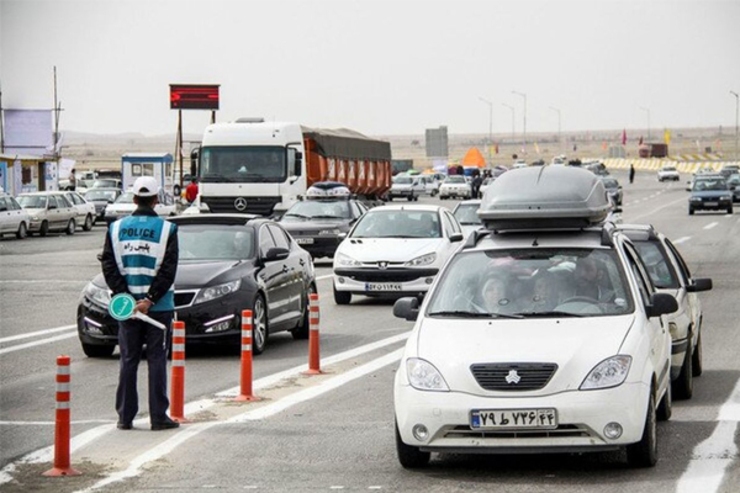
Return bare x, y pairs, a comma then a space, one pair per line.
327, 217
467, 314
294, 214
553, 313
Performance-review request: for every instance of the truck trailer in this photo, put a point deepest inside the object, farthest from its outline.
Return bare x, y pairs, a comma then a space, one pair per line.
257, 167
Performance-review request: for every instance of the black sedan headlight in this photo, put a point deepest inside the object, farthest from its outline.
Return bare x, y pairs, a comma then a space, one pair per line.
98, 295
214, 292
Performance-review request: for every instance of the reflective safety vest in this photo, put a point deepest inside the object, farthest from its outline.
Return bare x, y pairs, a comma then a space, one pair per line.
139, 244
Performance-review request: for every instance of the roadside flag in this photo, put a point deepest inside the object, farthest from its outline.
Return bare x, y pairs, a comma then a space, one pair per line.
640, 143
667, 136
604, 145
624, 136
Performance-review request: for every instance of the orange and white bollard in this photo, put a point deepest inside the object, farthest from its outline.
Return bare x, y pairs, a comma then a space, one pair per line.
313, 336
245, 392
62, 424
177, 382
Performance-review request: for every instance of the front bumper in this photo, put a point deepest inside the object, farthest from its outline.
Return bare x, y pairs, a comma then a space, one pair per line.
582, 416
448, 192
710, 204
372, 282
319, 246
217, 321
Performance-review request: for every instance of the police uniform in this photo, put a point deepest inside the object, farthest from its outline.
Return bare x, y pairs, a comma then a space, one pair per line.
140, 258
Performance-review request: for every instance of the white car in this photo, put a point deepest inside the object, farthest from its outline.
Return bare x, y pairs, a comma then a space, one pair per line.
455, 186
406, 187
484, 185
124, 206
670, 274
13, 218
508, 356
85, 211
48, 211
394, 249
466, 213
668, 172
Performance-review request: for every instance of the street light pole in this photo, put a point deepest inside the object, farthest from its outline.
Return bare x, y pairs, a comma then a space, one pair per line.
490, 128
647, 110
737, 115
560, 140
524, 130
513, 117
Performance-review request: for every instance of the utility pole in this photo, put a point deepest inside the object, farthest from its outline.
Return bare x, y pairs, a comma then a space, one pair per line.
56, 120
737, 116
2, 131
513, 119
560, 140
524, 130
647, 110
490, 129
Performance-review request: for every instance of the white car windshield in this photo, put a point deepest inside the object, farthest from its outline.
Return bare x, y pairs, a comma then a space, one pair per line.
467, 214
398, 224
32, 201
125, 198
198, 242
402, 180
533, 282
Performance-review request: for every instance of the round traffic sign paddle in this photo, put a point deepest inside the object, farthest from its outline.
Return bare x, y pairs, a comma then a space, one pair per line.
122, 307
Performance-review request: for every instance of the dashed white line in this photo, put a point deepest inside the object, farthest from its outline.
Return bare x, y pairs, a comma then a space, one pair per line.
37, 343
35, 334
711, 225
682, 239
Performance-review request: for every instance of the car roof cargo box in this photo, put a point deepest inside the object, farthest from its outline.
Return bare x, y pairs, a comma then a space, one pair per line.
547, 197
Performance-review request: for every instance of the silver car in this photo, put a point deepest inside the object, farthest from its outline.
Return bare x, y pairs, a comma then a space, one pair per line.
49, 211
85, 211
13, 219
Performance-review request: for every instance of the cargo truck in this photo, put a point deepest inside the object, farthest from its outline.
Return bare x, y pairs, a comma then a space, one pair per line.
257, 167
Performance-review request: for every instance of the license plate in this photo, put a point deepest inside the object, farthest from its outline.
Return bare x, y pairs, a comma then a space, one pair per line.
382, 286
304, 241
505, 419
711, 204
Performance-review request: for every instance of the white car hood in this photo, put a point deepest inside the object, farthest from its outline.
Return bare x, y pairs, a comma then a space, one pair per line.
576, 345
389, 249
35, 212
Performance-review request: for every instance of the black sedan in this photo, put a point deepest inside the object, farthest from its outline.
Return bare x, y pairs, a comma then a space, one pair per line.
101, 197
317, 224
228, 263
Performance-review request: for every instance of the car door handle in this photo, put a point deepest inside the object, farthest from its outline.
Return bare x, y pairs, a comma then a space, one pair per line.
302, 262
285, 268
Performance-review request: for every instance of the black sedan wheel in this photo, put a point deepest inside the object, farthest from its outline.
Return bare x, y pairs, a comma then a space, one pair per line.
259, 326
302, 330
97, 351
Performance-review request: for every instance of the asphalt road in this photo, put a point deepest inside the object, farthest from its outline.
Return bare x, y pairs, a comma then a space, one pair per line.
335, 431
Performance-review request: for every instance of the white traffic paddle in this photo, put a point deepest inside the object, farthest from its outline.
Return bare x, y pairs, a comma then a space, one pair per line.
121, 307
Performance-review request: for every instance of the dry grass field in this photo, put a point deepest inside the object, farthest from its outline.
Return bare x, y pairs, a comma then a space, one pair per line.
104, 151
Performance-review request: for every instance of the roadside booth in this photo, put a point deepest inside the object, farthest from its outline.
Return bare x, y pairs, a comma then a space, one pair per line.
21, 173
158, 165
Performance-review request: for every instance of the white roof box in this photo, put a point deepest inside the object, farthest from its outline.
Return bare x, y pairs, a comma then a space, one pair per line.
544, 197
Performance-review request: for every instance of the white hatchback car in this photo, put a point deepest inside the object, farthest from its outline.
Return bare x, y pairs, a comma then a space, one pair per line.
394, 249
124, 206
668, 172
85, 211
455, 186
542, 334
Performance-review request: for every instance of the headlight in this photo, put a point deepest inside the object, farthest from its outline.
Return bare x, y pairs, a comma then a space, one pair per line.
98, 295
427, 259
609, 373
695, 199
423, 375
343, 260
35, 218
214, 292
335, 231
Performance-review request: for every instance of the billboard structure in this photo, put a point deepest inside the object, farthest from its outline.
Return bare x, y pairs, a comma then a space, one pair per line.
436, 142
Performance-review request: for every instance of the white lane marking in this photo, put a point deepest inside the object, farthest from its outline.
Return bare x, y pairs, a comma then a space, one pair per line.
713, 456
681, 240
664, 206
46, 454
37, 343
157, 452
321, 278
52, 423
37, 333
711, 225
41, 281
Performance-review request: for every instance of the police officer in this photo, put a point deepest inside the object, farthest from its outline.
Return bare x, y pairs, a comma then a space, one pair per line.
140, 258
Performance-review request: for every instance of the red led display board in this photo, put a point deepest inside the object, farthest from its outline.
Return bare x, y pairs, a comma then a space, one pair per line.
193, 97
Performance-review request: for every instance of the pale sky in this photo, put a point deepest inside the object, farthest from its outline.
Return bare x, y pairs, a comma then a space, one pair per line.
379, 67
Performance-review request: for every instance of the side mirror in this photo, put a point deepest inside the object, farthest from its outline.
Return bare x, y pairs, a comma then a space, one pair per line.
661, 304
276, 253
406, 308
194, 155
455, 237
701, 284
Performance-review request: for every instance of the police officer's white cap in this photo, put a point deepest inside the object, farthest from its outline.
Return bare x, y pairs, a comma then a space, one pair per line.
146, 186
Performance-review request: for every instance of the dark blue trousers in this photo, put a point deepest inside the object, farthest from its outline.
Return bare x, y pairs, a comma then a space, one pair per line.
133, 334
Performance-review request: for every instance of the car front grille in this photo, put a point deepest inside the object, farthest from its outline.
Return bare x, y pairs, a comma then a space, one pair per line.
184, 298
513, 376
262, 206
562, 431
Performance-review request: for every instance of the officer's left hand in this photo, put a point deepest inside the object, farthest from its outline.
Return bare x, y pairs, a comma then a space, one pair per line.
143, 306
